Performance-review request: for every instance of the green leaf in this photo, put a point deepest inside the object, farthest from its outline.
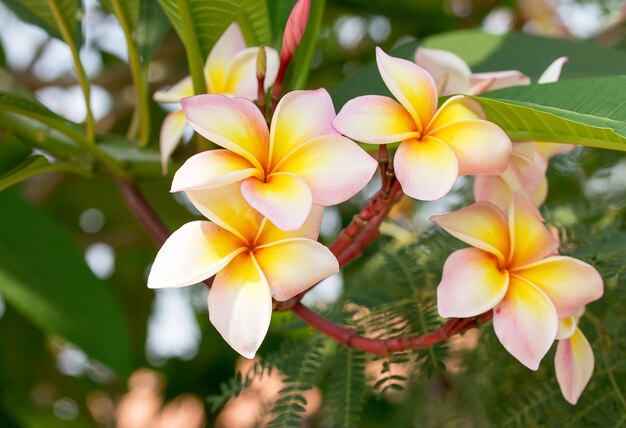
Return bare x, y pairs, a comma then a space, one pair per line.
279, 12
152, 30
35, 165
41, 14
301, 63
44, 276
589, 112
129, 8
489, 52
254, 21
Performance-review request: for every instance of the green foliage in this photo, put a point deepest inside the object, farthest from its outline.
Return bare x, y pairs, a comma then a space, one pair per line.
254, 21
347, 387
35, 165
44, 276
129, 9
58, 17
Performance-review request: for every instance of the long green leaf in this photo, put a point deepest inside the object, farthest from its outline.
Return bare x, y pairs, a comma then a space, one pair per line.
44, 276
489, 52
39, 13
35, 165
254, 21
589, 112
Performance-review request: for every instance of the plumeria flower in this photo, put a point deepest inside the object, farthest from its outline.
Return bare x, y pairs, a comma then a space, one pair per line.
284, 170
230, 69
512, 269
573, 361
436, 146
453, 76
252, 260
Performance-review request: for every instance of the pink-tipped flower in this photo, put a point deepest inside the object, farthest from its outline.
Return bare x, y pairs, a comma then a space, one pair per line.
284, 170
252, 260
437, 145
294, 30
573, 361
230, 69
512, 269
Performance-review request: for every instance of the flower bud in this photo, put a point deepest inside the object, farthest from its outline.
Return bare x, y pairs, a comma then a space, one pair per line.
261, 64
296, 24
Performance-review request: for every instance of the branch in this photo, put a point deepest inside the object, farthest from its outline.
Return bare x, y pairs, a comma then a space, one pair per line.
352, 339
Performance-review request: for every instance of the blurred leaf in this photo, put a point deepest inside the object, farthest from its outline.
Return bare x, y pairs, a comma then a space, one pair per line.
35, 165
589, 112
209, 19
130, 9
254, 22
42, 14
12, 152
490, 52
279, 12
152, 29
301, 63
44, 276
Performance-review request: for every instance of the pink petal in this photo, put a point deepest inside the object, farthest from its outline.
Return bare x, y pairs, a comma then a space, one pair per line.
206, 247
567, 327
213, 168
283, 198
299, 117
450, 72
455, 109
310, 229
481, 147
553, 72
497, 80
176, 92
481, 225
525, 322
568, 282
531, 241
171, 133
426, 169
573, 363
493, 189
413, 86
294, 29
549, 150
294, 265
375, 119
471, 284
226, 207
240, 305
235, 124
334, 168
218, 62
241, 80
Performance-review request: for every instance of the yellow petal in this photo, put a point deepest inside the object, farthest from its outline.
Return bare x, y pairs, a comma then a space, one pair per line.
481, 225
218, 62
175, 93
269, 233
455, 109
574, 363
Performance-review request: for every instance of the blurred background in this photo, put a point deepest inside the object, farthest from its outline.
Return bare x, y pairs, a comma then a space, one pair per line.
178, 359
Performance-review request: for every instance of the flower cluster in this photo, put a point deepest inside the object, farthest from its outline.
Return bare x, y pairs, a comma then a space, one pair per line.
265, 189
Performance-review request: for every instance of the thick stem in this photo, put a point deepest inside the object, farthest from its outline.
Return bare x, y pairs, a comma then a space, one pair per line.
350, 338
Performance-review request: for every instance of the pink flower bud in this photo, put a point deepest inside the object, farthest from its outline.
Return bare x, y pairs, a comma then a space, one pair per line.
296, 24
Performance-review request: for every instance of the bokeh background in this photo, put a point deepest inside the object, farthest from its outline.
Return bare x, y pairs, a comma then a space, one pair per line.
178, 359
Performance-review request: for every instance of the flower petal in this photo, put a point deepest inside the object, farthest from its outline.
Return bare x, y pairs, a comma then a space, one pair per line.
530, 239
567, 327
481, 225
471, 284
480, 146
240, 305
193, 253
573, 363
283, 198
450, 72
426, 169
483, 82
492, 188
456, 109
235, 124
216, 67
300, 116
269, 233
294, 265
568, 282
525, 322
241, 80
226, 207
172, 131
413, 86
176, 92
334, 168
375, 119
553, 72
213, 168
549, 150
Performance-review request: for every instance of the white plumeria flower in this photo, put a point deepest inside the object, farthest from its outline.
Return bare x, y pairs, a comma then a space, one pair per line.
230, 70
253, 261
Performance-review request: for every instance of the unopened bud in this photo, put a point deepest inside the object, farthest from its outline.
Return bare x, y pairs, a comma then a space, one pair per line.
261, 63
294, 29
